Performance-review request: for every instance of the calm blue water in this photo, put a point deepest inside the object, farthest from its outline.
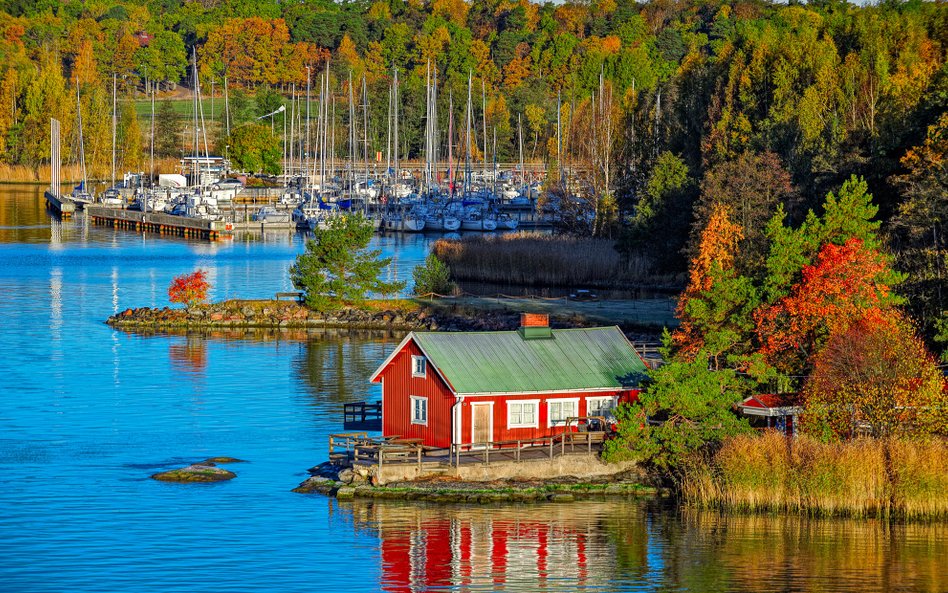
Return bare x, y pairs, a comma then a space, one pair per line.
87, 413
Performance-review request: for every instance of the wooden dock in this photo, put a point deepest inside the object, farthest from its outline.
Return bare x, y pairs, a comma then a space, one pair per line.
61, 205
157, 222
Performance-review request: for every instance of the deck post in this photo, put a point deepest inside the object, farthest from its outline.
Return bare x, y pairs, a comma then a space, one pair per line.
518, 451
551, 448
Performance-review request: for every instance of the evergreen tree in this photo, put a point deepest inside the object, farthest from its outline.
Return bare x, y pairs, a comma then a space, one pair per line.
168, 128
337, 269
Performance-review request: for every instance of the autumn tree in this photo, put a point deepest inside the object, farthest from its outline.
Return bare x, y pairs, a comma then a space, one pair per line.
189, 289
875, 377
752, 186
129, 137
844, 284
922, 222
849, 214
715, 311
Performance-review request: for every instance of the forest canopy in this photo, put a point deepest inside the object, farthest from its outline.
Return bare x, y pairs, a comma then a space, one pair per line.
762, 107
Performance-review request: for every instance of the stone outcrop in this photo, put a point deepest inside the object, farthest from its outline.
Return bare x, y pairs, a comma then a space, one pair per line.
198, 472
350, 483
283, 314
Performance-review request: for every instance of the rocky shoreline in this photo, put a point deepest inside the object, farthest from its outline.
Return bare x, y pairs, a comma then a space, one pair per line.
274, 314
346, 484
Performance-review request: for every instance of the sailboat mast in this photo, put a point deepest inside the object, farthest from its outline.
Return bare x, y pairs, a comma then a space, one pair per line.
226, 107
152, 149
450, 142
467, 139
82, 149
559, 135
307, 141
484, 121
365, 132
114, 125
427, 175
395, 139
520, 142
435, 145
352, 136
388, 137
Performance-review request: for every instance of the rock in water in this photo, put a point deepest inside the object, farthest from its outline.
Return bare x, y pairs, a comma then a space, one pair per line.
224, 460
198, 472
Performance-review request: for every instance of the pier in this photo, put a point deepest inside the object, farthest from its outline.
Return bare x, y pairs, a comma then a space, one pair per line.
61, 205
161, 223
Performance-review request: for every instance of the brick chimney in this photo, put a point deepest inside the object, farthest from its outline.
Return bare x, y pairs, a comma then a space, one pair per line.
535, 326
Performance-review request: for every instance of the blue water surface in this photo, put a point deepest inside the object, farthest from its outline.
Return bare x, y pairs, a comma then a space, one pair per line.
88, 413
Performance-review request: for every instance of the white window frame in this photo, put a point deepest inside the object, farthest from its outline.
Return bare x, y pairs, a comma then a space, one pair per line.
414, 399
611, 398
536, 413
424, 365
560, 400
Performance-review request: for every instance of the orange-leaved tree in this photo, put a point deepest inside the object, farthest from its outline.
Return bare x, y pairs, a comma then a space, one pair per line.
189, 289
715, 309
844, 284
876, 377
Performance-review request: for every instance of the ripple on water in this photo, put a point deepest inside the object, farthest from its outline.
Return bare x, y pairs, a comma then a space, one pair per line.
88, 413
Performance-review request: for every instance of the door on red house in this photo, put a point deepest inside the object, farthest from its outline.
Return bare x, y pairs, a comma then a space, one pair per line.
481, 426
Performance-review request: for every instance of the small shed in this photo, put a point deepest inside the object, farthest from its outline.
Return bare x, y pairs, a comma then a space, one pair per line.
773, 410
481, 388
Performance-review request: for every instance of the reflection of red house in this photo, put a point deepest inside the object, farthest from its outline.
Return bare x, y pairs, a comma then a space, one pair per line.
771, 410
487, 387
451, 553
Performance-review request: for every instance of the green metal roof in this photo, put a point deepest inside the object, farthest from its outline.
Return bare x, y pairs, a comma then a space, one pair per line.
505, 362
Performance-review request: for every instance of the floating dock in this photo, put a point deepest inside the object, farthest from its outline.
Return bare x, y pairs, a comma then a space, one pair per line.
62, 205
165, 224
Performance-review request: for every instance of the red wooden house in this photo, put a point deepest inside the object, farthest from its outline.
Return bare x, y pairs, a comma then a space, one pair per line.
472, 388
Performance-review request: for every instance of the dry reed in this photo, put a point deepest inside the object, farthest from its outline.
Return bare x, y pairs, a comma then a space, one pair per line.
72, 173
769, 472
536, 259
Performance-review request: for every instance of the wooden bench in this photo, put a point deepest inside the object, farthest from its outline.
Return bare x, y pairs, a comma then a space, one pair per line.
298, 296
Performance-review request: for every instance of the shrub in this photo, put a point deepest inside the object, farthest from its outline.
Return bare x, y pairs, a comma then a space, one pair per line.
189, 289
433, 277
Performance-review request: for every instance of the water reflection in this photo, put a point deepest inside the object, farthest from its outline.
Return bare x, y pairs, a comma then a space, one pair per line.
189, 356
335, 365
642, 546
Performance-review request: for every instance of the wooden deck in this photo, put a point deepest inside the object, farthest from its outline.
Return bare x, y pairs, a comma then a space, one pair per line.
357, 448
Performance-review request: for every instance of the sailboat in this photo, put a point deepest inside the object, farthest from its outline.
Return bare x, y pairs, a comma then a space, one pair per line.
80, 193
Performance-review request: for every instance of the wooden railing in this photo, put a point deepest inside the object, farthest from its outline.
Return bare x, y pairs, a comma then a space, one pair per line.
359, 448
361, 411
342, 445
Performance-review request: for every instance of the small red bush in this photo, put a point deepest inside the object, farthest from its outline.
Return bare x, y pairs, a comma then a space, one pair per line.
189, 289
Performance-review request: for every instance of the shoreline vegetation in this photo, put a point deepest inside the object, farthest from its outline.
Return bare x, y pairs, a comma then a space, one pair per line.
535, 259
862, 478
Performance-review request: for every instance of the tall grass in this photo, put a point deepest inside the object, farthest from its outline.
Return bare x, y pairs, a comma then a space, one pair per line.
547, 260
72, 173
860, 478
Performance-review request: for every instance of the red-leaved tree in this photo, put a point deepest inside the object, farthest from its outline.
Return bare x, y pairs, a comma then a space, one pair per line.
189, 289
846, 283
